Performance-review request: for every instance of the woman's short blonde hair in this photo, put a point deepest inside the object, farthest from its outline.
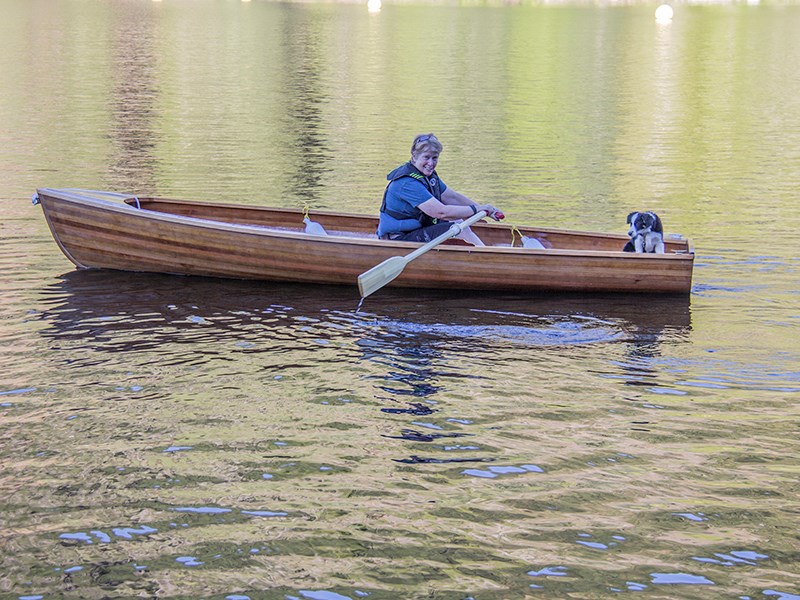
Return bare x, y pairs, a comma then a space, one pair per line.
425, 142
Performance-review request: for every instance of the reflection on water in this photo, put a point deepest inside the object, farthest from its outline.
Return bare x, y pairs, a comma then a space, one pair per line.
307, 147
132, 164
238, 430
124, 312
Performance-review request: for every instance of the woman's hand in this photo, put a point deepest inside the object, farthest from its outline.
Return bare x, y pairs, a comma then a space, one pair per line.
493, 212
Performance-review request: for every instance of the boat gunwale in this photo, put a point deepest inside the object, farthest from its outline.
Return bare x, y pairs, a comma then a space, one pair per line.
84, 197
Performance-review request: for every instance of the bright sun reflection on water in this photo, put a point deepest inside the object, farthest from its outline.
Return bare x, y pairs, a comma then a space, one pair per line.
664, 13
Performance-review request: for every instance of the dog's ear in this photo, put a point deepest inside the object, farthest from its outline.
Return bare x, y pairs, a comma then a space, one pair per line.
657, 227
630, 217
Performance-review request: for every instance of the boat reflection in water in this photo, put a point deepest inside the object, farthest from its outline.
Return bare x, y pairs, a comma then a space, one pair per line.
407, 350
119, 311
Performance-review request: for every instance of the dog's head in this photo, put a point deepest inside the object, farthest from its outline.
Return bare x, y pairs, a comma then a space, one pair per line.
643, 222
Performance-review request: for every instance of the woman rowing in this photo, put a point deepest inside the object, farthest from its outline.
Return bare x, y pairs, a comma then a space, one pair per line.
417, 205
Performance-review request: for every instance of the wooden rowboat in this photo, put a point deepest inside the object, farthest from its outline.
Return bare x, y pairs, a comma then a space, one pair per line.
104, 230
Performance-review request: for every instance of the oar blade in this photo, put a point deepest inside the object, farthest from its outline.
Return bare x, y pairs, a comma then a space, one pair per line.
379, 275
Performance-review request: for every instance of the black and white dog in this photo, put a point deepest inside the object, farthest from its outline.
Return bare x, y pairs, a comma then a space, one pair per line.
647, 234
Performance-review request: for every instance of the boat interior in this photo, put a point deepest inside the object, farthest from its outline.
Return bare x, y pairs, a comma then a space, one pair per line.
362, 226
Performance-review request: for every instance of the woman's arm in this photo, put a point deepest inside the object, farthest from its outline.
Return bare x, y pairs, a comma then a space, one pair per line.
450, 196
456, 206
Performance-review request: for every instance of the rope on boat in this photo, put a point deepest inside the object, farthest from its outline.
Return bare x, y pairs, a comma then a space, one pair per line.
514, 232
525, 241
312, 227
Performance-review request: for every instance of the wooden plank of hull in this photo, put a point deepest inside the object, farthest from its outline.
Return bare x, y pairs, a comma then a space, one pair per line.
569, 270
134, 241
115, 236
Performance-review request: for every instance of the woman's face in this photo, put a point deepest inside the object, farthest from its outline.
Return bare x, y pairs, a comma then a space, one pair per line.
425, 161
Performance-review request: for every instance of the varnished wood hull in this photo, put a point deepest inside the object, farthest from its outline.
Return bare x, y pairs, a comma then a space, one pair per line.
243, 242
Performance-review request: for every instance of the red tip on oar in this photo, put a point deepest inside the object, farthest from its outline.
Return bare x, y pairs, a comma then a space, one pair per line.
499, 216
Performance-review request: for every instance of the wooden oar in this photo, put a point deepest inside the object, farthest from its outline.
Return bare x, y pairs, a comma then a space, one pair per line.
379, 275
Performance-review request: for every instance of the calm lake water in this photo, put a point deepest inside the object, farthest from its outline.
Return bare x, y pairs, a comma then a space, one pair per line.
188, 438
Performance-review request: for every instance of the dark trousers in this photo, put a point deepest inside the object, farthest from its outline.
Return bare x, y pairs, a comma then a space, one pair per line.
423, 234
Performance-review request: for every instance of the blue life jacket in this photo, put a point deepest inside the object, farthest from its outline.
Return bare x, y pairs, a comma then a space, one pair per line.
432, 184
